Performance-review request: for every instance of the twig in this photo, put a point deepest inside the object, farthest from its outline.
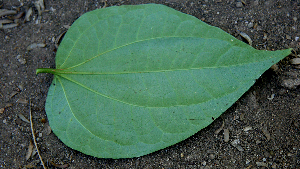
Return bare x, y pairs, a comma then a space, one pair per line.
34, 139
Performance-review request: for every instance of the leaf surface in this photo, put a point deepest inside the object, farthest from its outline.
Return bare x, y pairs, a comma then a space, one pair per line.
130, 80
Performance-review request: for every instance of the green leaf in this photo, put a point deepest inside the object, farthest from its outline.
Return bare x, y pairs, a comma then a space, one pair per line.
130, 80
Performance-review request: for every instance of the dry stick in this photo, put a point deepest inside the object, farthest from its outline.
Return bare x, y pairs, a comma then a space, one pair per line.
33, 135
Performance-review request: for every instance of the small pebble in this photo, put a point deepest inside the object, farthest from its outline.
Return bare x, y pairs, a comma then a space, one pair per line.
250, 24
239, 4
4, 121
21, 59
247, 161
181, 155
40, 134
296, 38
255, 3
235, 143
203, 163
264, 159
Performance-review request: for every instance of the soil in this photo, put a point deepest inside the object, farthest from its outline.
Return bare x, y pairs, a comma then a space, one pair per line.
263, 124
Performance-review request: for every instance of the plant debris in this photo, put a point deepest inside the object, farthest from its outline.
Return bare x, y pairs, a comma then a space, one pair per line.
245, 36
22, 101
28, 14
4, 12
266, 133
23, 118
30, 150
35, 45
34, 138
248, 128
59, 165
295, 61
220, 129
226, 135
8, 26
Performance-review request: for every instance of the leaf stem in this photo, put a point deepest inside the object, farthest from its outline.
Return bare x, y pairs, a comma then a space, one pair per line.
46, 70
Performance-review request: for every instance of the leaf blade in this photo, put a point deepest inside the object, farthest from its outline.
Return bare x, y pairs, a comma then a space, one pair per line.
139, 79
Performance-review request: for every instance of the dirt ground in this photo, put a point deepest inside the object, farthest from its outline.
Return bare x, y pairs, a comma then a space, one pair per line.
263, 124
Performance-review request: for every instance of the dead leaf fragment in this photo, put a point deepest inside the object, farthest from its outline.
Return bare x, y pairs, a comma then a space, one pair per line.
226, 135
5, 21
47, 129
28, 14
35, 45
4, 12
220, 129
13, 94
8, 26
39, 6
29, 152
59, 165
23, 101
22, 117
247, 128
266, 133
245, 36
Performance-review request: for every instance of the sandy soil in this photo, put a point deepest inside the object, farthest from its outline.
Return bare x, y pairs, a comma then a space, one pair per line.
270, 109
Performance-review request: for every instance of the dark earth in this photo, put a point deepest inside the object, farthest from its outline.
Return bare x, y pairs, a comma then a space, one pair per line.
263, 124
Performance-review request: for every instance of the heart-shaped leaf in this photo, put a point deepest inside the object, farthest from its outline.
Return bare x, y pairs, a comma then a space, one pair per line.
131, 80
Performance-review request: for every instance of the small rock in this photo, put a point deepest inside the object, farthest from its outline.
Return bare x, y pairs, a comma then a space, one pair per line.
203, 163
296, 38
40, 134
239, 4
247, 161
4, 121
250, 24
21, 59
181, 155
235, 143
